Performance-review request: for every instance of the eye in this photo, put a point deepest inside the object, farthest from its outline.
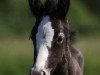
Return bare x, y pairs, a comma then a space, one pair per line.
60, 38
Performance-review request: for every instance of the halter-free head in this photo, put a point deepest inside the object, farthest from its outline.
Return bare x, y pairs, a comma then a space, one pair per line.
50, 35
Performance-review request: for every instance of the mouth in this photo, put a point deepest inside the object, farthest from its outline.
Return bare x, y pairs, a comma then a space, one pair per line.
40, 72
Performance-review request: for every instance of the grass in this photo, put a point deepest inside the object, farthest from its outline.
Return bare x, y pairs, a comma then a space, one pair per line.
16, 55
90, 48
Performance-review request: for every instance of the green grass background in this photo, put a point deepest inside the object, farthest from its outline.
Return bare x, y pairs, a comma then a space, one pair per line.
16, 22
16, 55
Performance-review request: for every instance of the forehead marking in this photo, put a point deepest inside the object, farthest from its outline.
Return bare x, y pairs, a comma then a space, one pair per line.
44, 29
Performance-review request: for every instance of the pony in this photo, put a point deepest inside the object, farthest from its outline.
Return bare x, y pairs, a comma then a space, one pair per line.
54, 53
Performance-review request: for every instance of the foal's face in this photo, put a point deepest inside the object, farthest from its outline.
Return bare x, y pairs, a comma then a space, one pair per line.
50, 44
48, 34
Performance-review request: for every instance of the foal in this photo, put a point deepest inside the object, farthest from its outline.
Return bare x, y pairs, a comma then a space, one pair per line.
53, 52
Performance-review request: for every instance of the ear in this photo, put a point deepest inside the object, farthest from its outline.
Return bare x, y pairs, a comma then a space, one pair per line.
63, 7
50, 6
36, 7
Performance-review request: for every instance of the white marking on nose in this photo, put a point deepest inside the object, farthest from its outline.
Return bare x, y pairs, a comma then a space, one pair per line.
44, 38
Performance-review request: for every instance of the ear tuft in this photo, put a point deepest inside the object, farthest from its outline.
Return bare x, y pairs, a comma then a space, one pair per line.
36, 7
57, 8
63, 7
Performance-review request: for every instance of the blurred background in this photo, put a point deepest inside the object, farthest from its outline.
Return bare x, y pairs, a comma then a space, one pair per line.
16, 22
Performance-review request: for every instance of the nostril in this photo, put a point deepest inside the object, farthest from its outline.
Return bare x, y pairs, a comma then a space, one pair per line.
34, 72
43, 73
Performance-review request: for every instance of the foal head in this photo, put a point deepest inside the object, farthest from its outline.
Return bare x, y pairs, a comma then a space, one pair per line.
50, 34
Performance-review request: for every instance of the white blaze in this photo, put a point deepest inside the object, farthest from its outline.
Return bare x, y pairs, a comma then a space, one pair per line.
44, 38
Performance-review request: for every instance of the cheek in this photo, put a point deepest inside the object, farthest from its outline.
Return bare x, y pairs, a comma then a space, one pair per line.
56, 54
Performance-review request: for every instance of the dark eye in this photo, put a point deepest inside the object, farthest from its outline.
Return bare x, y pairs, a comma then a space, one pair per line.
60, 38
